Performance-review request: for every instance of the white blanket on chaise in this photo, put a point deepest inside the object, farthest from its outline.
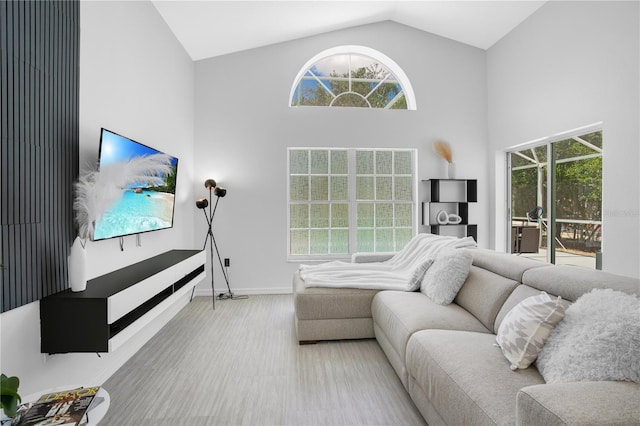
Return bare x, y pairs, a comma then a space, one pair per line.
397, 273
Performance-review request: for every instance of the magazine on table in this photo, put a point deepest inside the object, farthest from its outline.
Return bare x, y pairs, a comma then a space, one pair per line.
67, 407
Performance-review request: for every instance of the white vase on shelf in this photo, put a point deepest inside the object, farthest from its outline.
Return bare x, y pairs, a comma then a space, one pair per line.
451, 170
77, 262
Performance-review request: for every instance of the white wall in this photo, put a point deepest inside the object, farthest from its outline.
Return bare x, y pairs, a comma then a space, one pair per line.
243, 125
569, 65
135, 79
549, 75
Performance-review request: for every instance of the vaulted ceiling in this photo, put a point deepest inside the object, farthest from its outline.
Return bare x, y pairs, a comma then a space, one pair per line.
208, 28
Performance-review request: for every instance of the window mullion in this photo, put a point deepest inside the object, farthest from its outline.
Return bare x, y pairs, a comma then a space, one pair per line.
375, 201
329, 203
393, 198
378, 85
350, 74
394, 100
309, 202
322, 84
353, 203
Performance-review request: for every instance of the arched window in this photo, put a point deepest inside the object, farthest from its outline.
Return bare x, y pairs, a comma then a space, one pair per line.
352, 76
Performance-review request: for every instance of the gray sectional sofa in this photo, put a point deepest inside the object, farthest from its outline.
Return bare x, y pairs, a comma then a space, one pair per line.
445, 355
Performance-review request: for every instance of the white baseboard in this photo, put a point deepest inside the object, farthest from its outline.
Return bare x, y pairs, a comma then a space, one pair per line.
248, 291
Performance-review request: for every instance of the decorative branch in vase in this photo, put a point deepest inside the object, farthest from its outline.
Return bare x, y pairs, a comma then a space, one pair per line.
443, 149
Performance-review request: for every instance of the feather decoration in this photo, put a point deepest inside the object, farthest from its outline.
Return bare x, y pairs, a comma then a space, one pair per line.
83, 202
98, 191
443, 149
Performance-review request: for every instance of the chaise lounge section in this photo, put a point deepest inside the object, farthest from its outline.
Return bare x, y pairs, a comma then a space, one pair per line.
446, 357
332, 313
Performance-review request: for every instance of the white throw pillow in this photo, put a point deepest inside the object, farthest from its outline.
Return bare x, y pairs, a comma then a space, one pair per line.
526, 327
599, 339
445, 277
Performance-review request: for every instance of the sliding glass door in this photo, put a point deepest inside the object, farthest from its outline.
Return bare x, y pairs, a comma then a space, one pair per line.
556, 205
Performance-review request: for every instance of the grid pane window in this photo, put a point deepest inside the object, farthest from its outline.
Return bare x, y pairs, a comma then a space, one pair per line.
365, 215
383, 162
384, 190
365, 240
299, 188
339, 241
319, 188
403, 163
319, 162
340, 215
364, 188
386, 202
299, 241
403, 187
319, 241
384, 240
347, 200
299, 216
319, 216
403, 215
339, 162
298, 162
384, 215
339, 188
364, 162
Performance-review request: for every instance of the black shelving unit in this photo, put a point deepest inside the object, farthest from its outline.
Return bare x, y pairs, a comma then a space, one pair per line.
116, 303
453, 197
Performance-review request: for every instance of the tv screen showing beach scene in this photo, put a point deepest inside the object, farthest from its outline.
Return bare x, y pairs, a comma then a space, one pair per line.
144, 204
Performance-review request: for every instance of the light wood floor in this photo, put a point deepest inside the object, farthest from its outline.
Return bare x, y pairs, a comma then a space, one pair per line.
241, 364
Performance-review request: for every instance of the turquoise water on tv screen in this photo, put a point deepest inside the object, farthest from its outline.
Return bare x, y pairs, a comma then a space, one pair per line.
136, 212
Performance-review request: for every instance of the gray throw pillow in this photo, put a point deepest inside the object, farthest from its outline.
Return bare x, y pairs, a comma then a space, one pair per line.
524, 331
445, 277
599, 339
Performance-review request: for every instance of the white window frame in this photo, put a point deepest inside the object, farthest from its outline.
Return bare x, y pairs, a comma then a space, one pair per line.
352, 201
384, 60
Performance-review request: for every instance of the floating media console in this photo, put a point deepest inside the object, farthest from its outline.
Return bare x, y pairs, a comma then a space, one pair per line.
117, 305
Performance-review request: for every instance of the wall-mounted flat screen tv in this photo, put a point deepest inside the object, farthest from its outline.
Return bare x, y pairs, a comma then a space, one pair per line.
143, 206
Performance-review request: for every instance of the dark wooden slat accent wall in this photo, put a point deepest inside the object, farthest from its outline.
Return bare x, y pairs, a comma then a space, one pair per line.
39, 67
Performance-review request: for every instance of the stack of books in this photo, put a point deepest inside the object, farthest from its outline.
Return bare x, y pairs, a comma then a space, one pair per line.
68, 407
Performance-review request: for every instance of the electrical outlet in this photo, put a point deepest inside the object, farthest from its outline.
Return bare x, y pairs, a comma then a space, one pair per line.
227, 262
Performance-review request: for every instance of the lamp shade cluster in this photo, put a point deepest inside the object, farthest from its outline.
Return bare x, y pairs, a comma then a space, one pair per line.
211, 185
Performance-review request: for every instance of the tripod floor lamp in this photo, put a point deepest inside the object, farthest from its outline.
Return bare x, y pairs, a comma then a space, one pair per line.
203, 203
